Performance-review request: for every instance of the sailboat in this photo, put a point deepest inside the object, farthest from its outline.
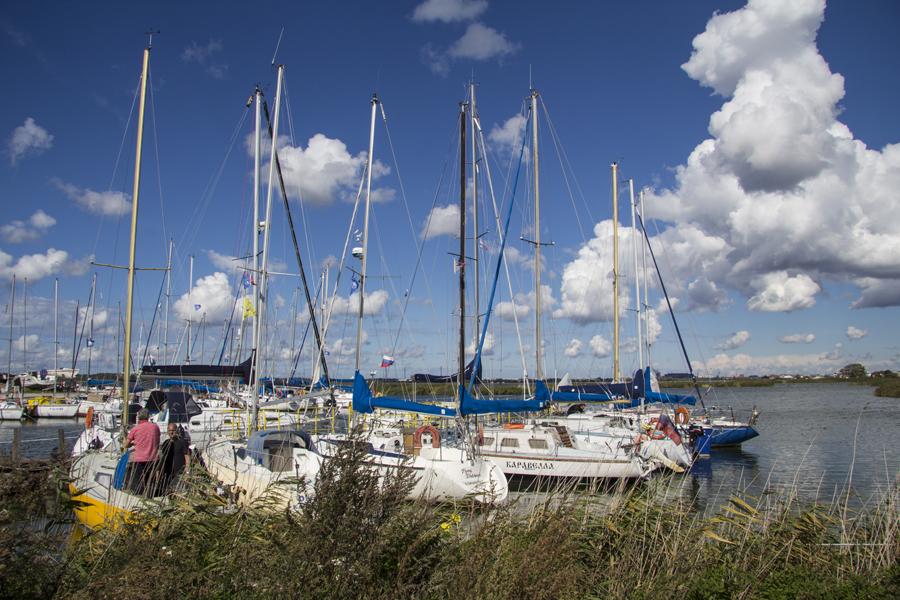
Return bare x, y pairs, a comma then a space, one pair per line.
98, 482
440, 471
278, 466
536, 446
10, 410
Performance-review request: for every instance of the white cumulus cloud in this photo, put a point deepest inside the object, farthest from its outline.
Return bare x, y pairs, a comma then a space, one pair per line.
38, 266
17, 231
573, 348
735, 340
798, 338
791, 196
211, 295
29, 138
481, 42
109, 203
449, 11
855, 333
600, 346
442, 220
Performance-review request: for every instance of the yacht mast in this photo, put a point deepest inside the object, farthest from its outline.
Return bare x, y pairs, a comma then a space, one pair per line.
55, 332
187, 356
90, 340
615, 198
477, 328
12, 306
254, 273
462, 250
365, 255
539, 367
126, 363
637, 285
646, 296
264, 275
25, 325
165, 359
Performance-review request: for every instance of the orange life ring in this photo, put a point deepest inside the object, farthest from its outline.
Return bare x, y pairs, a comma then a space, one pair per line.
89, 418
514, 426
435, 436
682, 416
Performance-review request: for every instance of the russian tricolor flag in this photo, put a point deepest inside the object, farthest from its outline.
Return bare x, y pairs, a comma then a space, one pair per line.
386, 361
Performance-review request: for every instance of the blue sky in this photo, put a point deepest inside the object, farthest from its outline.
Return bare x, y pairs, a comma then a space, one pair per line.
764, 145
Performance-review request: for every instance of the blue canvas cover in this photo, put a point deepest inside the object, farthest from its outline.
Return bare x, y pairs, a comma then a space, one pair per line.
365, 402
472, 406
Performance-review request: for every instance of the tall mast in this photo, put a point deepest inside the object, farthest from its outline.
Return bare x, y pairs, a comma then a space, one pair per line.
56, 332
476, 330
264, 275
90, 342
25, 325
615, 198
462, 247
637, 285
539, 367
254, 274
646, 297
365, 255
165, 359
187, 356
126, 363
12, 306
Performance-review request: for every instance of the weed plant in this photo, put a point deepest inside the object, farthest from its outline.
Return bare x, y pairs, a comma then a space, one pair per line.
358, 537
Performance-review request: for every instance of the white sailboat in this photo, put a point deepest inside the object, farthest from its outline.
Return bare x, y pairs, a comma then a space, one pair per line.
544, 449
440, 472
278, 467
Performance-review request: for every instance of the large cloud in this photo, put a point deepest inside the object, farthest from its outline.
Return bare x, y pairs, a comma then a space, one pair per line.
325, 171
442, 220
211, 295
736, 340
789, 195
38, 266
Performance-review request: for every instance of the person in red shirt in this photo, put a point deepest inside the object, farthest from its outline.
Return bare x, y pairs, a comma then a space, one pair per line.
144, 437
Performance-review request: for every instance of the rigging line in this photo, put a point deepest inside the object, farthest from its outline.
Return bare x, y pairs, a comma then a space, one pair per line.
568, 162
162, 286
193, 224
502, 237
290, 222
287, 104
476, 362
556, 145
337, 284
296, 359
162, 209
437, 193
697, 346
83, 323
671, 313
412, 229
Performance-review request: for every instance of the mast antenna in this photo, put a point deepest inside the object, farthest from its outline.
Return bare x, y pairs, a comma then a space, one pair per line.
277, 46
150, 35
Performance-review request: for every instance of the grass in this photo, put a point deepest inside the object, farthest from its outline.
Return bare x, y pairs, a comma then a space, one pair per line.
359, 538
889, 388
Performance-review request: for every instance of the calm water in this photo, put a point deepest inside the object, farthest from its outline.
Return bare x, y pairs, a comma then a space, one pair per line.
806, 444
39, 438
814, 439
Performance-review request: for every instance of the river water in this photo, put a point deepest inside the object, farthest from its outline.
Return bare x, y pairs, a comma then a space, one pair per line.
814, 440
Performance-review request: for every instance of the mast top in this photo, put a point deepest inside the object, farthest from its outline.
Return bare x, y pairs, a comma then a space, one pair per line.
150, 35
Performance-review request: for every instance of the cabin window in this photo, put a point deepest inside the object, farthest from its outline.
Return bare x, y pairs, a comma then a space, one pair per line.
537, 444
103, 479
488, 441
509, 443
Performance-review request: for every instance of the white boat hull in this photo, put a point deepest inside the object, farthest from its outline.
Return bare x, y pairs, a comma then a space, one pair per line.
250, 482
56, 411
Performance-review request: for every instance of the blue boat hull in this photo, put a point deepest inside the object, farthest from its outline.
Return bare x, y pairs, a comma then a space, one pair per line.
731, 436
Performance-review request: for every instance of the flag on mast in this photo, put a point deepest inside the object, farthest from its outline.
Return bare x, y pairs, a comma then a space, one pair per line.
386, 361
